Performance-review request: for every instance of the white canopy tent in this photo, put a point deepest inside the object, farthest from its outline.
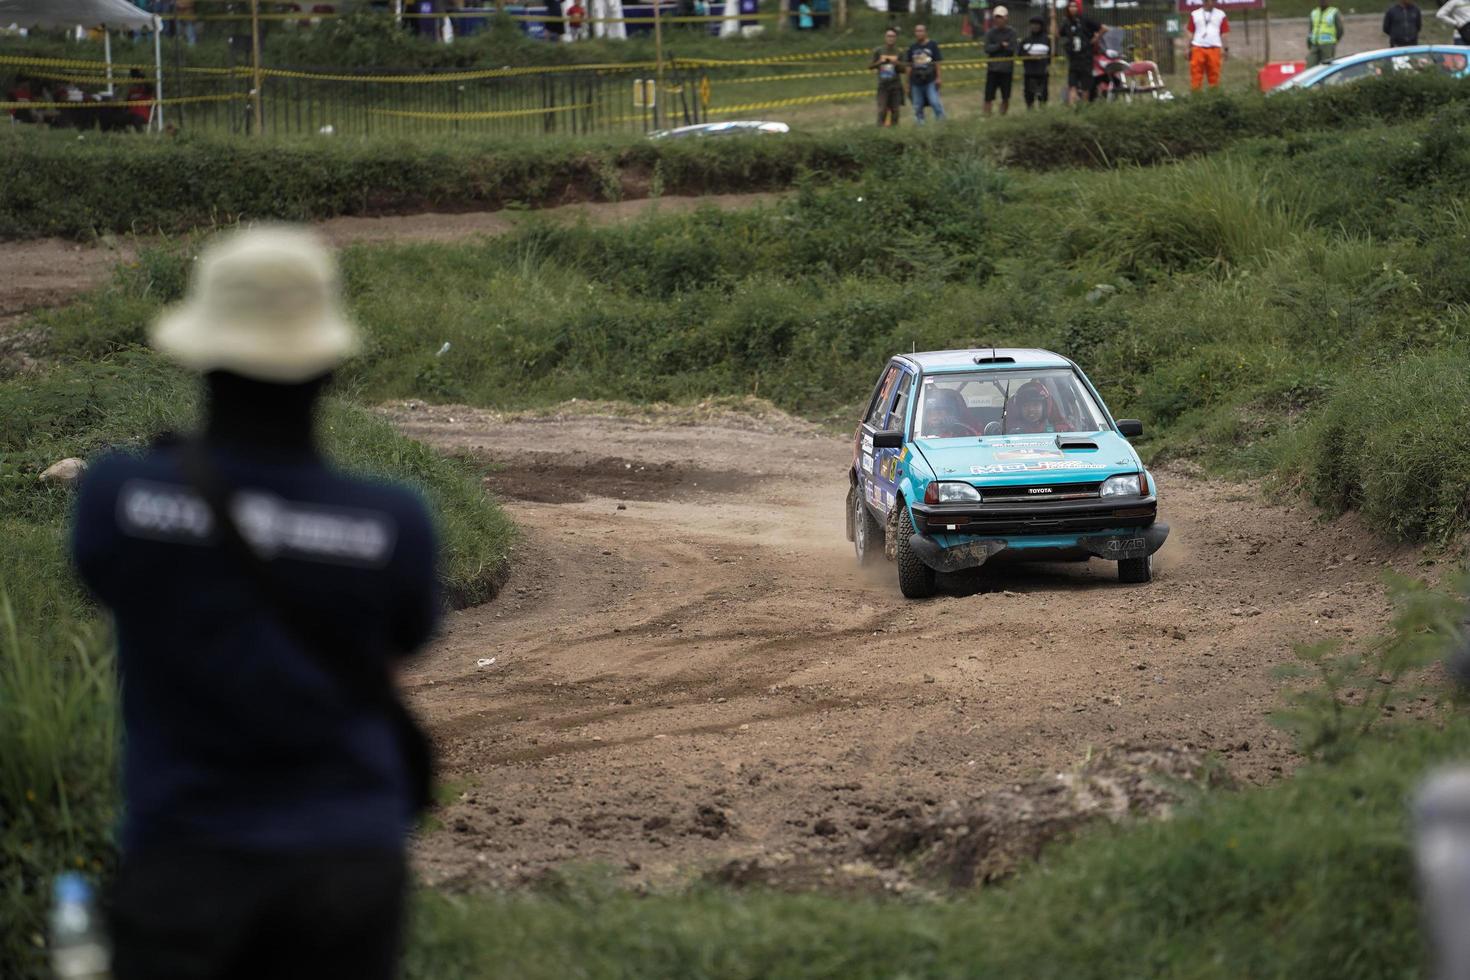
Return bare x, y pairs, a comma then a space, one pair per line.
111, 15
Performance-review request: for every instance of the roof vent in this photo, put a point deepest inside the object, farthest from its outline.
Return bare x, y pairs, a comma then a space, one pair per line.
994, 359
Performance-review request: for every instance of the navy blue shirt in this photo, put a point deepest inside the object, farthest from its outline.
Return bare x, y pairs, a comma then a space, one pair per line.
234, 736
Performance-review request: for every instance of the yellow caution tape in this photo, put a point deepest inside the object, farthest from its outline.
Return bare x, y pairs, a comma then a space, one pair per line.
99, 65
460, 76
500, 114
949, 66
867, 93
775, 59
115, 103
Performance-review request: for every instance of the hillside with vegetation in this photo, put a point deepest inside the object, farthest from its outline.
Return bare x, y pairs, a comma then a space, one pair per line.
1279, 288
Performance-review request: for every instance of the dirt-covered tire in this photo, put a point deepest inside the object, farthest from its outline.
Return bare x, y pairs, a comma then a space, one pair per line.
1136, 570
867, 534
915, 579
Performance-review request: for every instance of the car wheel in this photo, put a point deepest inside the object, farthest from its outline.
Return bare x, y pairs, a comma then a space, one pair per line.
867, 534
1134, 570
915, 579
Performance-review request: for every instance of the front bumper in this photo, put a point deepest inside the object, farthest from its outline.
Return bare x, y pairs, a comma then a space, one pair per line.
1113, 544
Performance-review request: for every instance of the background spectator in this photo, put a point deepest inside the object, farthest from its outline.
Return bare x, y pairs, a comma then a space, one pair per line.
1208, 28
923, 60
188, 24
1036, 50
888, 63
1456, 13
1324, 30
1078, 36
138, 90
1401, 23
1001, 45
555, 27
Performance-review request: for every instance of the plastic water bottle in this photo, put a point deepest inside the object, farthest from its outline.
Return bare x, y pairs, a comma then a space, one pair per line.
79, 948
1442, 850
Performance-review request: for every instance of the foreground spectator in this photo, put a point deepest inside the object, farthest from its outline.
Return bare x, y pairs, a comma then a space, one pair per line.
1324, 30
261, 601
888, 62
1402, 23
1077, 36
1001, 45
1036, 50
923, 60
1456, 13
1208, 28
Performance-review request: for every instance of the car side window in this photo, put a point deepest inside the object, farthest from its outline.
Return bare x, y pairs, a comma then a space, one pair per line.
1354, 72
878, 411
901, 404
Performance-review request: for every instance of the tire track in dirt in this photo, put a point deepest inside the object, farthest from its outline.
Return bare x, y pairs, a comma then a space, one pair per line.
707, 676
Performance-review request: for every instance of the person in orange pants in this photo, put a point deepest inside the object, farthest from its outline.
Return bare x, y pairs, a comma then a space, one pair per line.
1208, 28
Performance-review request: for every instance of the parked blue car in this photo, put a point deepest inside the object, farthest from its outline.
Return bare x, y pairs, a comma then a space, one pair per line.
1453, 60
965, 455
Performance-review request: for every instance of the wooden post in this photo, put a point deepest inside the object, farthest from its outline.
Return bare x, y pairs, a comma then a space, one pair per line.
842, 14
1266, 20
658, 60
256, 77
784, 9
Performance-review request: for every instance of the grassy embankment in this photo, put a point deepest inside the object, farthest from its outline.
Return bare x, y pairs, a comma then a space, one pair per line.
121, 184
1292, 305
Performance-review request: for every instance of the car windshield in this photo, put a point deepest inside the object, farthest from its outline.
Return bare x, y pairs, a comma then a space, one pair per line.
995, 403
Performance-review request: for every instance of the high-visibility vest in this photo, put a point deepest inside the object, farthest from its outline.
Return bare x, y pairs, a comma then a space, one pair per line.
1324, 25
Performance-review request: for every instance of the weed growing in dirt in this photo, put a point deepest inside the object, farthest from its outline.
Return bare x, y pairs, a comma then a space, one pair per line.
1352, 692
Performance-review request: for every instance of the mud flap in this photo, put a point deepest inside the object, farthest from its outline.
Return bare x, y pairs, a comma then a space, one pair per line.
1126, 544
971, 554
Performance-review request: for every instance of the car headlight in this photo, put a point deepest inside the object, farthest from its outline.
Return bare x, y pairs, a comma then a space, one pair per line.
1121, 486
957, 493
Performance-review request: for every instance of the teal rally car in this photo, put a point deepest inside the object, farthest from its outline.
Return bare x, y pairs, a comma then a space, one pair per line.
965, 455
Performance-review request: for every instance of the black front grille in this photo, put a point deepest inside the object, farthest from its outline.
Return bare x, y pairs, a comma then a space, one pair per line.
1042, 491
1039, 518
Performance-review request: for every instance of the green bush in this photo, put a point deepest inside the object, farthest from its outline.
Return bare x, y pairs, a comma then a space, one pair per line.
1393, 442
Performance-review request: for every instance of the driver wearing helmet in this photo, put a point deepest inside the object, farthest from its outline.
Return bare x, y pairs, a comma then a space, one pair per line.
945, 414
1032, 411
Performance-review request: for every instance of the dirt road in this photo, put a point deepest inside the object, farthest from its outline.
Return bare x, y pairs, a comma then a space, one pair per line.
706, 675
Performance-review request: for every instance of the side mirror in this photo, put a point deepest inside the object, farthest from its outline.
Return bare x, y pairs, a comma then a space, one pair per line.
892, 439
1132, 428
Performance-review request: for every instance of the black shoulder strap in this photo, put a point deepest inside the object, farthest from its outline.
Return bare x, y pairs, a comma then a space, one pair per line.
363, 678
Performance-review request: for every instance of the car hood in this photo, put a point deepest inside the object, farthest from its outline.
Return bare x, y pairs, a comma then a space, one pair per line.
1021, 459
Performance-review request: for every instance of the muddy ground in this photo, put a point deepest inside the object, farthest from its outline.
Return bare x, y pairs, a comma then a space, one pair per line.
687, 668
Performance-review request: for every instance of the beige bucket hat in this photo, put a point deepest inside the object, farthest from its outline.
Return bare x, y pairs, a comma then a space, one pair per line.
264, 303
